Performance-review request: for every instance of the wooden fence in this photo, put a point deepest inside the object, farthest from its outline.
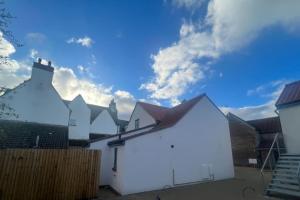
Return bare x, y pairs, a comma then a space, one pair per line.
49, 173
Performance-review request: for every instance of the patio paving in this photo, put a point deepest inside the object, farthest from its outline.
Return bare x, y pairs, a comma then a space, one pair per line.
247, 185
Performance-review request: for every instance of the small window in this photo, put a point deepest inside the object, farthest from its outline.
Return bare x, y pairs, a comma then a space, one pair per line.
137, 123
115, 160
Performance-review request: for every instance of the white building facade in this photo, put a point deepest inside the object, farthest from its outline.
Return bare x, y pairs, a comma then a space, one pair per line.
189, 143
288, 106
36, 100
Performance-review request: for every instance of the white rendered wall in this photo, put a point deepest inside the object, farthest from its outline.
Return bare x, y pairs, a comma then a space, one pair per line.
290, 122
37, 101
107, 156
104, 124
107, 176
144, 118
202, 150
80, 115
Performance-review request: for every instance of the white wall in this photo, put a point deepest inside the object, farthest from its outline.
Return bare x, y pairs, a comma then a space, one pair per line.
79, 126
107, 176
37, 101
107, 157
290, 122
104, 124
202, 149
144, 118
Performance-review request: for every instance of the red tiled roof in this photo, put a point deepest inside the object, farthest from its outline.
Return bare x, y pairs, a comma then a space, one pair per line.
173, 115
290, 94
267, 125
170, 118
157, 112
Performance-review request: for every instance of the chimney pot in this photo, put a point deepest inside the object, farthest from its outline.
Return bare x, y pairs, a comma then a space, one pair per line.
49, 63
39, 60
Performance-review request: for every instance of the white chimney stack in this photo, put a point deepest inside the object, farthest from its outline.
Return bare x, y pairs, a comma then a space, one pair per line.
42, 74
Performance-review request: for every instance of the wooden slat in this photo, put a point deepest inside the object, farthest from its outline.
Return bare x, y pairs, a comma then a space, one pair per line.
49, 173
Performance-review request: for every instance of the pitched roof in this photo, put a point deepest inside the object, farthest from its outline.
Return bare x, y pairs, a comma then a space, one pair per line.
231, 116
157, 112
171, 117
95, 110
290, 94
267, 125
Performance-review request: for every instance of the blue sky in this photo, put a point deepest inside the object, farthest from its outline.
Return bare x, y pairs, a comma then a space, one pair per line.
240, 54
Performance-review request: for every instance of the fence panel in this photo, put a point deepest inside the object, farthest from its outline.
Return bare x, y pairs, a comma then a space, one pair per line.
49, 173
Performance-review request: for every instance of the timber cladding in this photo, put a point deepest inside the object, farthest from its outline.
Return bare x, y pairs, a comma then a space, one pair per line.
39, 174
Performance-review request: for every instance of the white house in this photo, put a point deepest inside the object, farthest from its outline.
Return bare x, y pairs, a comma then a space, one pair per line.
79, 122
288, 106
167, 147
37, 101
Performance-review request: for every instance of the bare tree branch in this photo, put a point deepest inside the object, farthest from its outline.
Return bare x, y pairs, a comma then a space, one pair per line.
5, 20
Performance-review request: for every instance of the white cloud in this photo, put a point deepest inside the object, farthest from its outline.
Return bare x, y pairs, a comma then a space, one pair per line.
85, 41
228, 26
190, 4
252, 112
68, 85
260, 111
33, 53
6, 48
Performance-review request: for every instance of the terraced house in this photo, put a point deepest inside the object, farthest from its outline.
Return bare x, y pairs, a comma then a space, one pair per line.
34, 115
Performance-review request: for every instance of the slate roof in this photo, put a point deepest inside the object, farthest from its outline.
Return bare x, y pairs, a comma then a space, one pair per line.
267, 125
16, 134
289, 95
170, 118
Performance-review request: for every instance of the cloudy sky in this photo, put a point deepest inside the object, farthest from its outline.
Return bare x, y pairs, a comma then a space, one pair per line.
241, 53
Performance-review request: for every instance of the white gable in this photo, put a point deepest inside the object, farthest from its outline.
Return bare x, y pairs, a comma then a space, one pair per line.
36, 101
104, 124
144, 118
79, 123
197, 148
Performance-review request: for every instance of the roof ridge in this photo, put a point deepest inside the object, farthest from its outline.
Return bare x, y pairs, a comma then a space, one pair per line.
141, 102
263, 118
294, 82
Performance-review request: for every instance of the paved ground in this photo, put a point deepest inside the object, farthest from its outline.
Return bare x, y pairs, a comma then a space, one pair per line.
247, 185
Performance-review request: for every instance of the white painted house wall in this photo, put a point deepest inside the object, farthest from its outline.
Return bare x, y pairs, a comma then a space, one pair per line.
79, 126
290, 123
202, 151
107, 176
104, 124
36, 100
144, 118
107, 155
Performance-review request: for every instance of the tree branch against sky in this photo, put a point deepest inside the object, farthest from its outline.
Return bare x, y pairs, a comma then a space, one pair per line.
5, 33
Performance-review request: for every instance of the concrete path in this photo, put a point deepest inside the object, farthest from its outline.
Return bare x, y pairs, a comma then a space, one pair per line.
247, 185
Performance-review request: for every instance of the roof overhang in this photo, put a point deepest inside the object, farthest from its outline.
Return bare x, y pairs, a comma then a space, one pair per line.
116, 143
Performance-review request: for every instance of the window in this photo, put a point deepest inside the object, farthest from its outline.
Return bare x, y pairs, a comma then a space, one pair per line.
137, 123
115, 160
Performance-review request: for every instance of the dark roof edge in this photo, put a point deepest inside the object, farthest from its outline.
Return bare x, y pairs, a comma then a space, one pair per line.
286, 105
28, 122
121, 134
154, 130
240, 119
